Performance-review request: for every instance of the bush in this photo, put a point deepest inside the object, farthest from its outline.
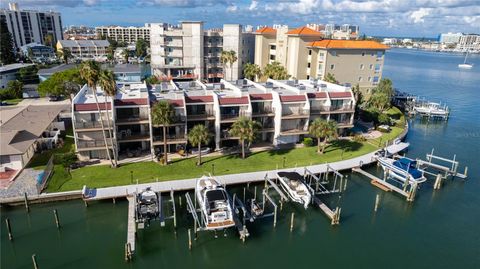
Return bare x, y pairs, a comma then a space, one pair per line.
359, 138
68, 159
308, 142
384, 119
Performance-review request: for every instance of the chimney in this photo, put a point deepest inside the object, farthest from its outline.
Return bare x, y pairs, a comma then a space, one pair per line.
13, 6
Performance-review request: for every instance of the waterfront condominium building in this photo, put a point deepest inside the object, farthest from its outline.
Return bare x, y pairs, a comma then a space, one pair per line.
85, 49
32, 26
305, 54
284, 110
129, 34
469, 42
187, 51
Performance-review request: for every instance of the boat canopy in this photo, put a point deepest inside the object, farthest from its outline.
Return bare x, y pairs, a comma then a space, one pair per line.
409, 165
291, 175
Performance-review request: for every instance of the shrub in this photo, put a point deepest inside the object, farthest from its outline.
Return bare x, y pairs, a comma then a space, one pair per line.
308, 142
359, 138
384, 119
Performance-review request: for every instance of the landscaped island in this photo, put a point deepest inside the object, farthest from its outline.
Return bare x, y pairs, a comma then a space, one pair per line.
103, 176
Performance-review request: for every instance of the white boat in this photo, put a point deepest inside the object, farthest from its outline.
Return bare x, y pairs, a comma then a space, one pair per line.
297, 190
402, 169
148, 206
465, 65
215, 204
431, 108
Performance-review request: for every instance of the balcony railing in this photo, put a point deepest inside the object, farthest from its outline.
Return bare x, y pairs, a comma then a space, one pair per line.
91, 125
293, 131
205, 114
132, 135
233, 115
175, 137
93, 143
263, 111
299, 112
342, 108
132, 119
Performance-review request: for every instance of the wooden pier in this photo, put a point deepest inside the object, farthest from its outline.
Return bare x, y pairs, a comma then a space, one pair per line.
383, 184
132, 226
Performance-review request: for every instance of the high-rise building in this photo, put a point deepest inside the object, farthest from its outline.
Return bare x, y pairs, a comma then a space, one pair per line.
128, 34
450, 38
305, 54
187, 51
32, 26
469, 42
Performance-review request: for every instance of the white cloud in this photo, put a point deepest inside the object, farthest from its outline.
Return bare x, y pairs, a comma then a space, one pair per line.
417, 16
232, 8
253, 5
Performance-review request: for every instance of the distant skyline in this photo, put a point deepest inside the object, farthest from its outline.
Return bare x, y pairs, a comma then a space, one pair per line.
413, 18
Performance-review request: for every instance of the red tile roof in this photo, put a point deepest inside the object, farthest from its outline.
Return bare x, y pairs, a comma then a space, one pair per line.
347, 44
317, 95
339, 95
176, 102
304, 31
292, 98
199, 99
91, 107
233, 100
132, 102
266, 31
261, 96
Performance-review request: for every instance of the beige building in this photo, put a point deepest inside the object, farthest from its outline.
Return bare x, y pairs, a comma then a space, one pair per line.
85, 49
305, 54
129, 34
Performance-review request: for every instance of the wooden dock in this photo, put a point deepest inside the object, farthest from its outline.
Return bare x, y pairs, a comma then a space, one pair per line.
380, 182
132, 225
330, 213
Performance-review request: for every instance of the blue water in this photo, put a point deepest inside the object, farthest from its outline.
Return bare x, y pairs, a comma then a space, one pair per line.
441, 229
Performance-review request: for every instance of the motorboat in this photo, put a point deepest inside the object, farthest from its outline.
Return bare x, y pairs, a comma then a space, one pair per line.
214, 203
297, 190
465, 65
431, 108
402, 169
148, 206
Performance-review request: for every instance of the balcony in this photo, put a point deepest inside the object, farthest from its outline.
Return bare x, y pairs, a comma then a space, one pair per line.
91, 125
92, 144
344, 124
266, 111
293, 131
340, 109
130, 120
171, 139
298, 113
231, 117
227, 136
320, 110
178, 119
201, 116
132, 136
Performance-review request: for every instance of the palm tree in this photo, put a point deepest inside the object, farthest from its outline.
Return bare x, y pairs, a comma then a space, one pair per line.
126, 55
323, 129
89, 71
275, 71
231, 59
109, 86
330, 78
246, 130
252, 71
162, 114
224, 59
65, 54
199, 134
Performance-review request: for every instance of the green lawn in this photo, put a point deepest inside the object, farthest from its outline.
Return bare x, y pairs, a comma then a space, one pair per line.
39, 160
103, 176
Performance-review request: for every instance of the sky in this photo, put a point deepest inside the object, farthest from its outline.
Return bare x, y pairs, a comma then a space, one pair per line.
413, 18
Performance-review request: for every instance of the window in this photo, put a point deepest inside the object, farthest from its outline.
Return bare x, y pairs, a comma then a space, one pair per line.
360, 79
334, 53
320, 66
371, 66
309, 52
308, 77
272, 57
375, 79
308, 65
363, 53
321, 55
332, 66
373, 53
380, 53
273, 47
361, 66
377, 67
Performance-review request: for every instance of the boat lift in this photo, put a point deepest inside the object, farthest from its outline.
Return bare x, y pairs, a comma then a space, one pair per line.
441, 168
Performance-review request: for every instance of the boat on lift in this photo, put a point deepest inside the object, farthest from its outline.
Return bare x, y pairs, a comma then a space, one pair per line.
432, 109
148, 206
297, 190
402, 169
214, 203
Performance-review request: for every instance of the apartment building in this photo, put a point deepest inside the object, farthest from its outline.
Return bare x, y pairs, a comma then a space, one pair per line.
469, 42
305, 54
85, 49
284, 110
188, 52
32, 26
129, 34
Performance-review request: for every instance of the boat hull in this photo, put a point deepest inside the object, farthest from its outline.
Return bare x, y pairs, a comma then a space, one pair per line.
216, 218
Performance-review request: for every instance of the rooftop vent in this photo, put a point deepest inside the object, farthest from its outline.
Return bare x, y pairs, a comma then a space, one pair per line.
290, 82
301, 87
269, 85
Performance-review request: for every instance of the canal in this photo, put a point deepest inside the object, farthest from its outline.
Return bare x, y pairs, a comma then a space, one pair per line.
439, 230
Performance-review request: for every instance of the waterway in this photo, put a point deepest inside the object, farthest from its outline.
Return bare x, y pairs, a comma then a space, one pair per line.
439, 230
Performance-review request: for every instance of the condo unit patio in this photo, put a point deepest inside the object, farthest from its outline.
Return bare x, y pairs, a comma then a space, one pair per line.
294, 127
132, 115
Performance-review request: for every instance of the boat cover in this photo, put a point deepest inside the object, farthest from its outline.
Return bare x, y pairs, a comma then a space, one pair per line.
408, 165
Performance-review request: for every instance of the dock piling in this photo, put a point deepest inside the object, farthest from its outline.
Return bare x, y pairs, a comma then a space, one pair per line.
26, 202
466, 171
291, 221
275, 217
34, 260
57, 221
9, 229
189, 239
345, 185
377, 201
438, 182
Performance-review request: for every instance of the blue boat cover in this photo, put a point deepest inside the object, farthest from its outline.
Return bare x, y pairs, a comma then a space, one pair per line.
408, 165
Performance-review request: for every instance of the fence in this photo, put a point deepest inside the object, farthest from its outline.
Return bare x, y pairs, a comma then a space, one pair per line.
43, 178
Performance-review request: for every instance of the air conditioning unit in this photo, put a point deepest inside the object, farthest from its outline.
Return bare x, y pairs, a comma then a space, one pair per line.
268, 85
290, 82
301, 87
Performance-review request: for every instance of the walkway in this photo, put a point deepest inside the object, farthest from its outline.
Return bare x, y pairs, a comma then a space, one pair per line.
188, 184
